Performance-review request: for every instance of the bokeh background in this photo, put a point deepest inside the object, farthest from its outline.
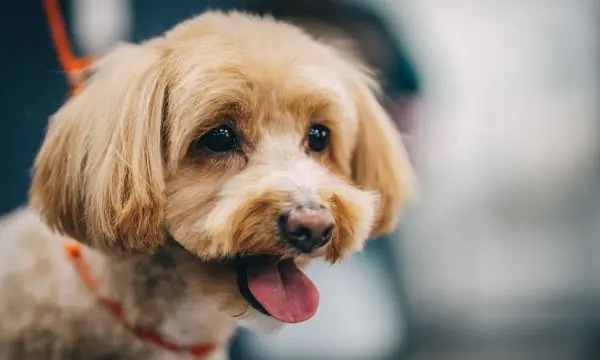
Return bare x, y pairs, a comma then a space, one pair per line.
499, 104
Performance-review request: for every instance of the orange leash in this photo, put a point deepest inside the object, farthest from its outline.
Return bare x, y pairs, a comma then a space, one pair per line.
73, 250
74, 67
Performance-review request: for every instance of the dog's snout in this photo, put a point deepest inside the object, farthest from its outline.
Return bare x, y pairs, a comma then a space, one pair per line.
307, 229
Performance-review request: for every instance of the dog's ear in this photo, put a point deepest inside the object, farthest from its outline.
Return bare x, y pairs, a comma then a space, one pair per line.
380, 162
99, 176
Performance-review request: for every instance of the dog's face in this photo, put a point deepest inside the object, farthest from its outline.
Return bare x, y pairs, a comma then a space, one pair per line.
242, 138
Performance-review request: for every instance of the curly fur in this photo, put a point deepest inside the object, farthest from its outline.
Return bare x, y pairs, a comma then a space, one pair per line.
116, 172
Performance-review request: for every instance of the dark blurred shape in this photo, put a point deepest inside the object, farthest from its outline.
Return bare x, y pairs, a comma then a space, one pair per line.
33, 87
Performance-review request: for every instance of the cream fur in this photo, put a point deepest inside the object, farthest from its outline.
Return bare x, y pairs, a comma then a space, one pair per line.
116, 172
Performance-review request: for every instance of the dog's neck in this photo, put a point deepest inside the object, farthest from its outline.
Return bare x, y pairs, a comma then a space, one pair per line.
168, 290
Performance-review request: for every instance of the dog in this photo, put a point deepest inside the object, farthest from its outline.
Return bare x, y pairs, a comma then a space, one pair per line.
183, 190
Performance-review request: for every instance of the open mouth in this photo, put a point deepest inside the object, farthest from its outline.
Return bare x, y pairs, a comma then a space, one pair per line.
277, 287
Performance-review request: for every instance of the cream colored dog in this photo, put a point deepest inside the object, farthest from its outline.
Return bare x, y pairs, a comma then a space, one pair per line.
200, 170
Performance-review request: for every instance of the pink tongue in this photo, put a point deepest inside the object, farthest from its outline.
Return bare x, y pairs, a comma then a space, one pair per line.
283, 290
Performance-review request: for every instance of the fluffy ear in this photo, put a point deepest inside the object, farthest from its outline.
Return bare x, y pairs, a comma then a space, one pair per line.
99, 176
380, 161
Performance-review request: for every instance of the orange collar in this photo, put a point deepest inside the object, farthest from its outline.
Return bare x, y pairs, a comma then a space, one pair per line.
73, 251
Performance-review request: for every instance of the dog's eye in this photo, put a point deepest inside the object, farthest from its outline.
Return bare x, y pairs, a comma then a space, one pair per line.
219, 139
318, 137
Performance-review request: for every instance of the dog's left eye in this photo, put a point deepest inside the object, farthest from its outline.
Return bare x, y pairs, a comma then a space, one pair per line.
219, 139
318, 137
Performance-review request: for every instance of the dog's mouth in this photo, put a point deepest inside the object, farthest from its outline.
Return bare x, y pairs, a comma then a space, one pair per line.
277, 287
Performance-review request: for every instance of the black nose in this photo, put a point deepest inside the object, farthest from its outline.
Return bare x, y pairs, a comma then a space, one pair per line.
306, 229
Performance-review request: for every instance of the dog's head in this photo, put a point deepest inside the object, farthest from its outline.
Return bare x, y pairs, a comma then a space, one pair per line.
241, 137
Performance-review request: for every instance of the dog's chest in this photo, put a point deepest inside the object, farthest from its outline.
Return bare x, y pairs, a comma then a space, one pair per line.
195, 320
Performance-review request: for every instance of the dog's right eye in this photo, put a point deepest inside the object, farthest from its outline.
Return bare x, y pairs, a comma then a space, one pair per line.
219, 139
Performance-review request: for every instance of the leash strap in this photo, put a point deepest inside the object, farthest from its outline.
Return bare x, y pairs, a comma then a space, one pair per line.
73, 250
73, 66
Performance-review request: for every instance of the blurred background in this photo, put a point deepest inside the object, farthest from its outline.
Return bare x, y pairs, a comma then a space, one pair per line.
498, 101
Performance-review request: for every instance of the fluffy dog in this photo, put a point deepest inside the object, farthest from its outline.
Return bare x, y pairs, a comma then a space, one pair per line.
200, 171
